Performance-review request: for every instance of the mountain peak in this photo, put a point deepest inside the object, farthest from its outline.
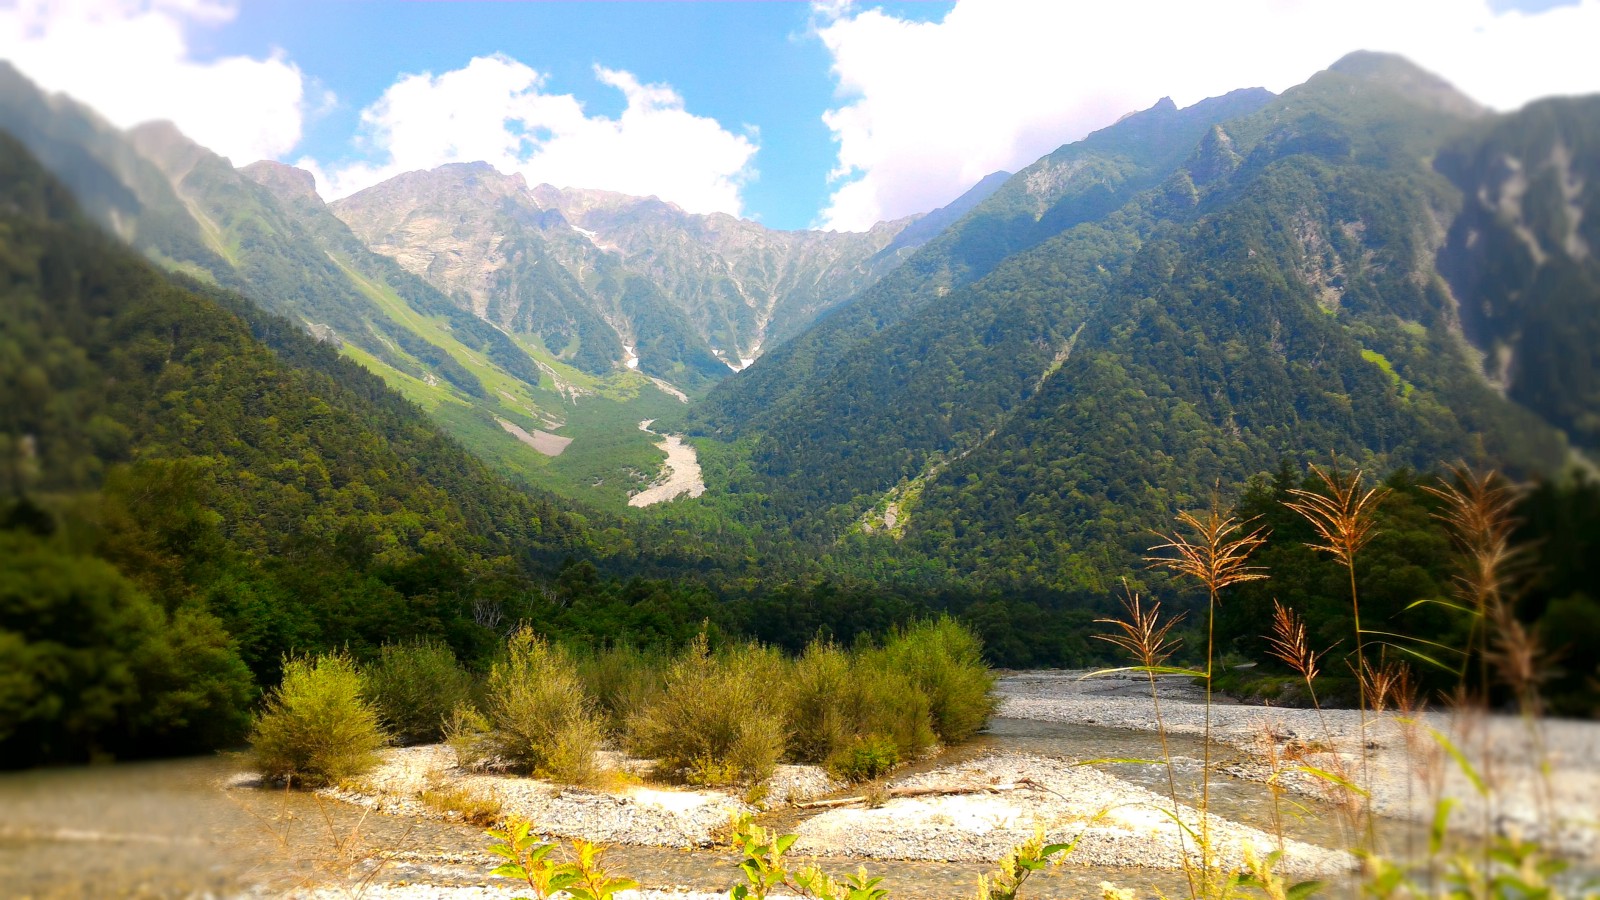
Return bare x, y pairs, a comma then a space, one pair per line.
171, 150
1405, 77
284, 181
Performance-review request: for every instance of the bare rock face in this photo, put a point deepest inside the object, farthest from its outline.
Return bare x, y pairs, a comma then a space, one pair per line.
594, 272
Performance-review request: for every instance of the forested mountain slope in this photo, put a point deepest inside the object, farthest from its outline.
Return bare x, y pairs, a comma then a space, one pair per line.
1522, 256
1275, 294
257, 500
263, 232
1079, 182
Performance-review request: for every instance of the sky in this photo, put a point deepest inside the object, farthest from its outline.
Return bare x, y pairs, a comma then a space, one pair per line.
832, 114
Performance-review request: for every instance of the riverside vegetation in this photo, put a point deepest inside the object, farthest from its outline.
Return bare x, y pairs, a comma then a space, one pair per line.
707, 715
725, 715
1216, 549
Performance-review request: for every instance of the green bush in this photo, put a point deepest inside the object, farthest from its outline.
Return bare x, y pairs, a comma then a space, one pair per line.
719, 718
414, 687
622, 680
890, 705
864, 759
540, 719
91, 665
467, 733
945, 659
820, 689
317, 728
838, 703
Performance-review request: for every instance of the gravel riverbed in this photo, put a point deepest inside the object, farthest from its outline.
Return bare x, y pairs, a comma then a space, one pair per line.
1406, 765
970, 807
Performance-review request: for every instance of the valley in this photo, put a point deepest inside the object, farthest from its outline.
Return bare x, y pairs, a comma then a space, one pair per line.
1206, 508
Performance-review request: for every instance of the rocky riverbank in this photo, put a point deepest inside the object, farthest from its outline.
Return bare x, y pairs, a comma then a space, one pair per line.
1406, 765
969, 807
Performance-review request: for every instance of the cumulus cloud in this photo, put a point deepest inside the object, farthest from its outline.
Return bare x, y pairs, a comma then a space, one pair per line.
130, 60
495, 109
928, 108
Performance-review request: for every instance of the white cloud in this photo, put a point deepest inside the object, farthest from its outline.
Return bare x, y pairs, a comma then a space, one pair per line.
130, 60
495, 110
928, 108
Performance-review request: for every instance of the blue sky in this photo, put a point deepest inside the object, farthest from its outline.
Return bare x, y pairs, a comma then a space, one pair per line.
742, 64
833, 113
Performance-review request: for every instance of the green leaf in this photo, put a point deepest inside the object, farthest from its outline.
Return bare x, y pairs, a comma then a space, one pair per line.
1441, 825
1461, 760
1149, 670
1304, 889
1331, 778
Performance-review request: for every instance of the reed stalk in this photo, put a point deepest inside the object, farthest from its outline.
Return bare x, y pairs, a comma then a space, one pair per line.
1214, 549
1344, 518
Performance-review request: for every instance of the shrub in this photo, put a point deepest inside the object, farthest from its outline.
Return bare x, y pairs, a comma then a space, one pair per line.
864, 759
719, 718
540, 720
820, 689
945, 659
467, 733
622, 680
414, 688
890, 705
837, 704
317, 728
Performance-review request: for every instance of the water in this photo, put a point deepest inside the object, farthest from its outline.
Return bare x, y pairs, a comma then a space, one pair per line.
180, 828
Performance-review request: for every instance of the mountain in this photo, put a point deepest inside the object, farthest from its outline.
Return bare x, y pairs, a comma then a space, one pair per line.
194, 488
1077, 183
1100, 343
604, 280
1521, 257
491, 305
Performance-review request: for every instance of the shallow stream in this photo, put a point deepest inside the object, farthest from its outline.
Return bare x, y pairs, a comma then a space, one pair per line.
176, 828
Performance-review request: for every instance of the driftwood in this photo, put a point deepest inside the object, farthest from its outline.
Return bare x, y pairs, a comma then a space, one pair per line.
893, 793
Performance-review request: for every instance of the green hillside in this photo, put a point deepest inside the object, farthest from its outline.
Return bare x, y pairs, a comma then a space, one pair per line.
1273, 295
265, 500
263, 232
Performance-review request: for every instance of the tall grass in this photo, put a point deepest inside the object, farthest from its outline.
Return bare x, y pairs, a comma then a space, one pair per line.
1345, 518
316, 727
1214, 550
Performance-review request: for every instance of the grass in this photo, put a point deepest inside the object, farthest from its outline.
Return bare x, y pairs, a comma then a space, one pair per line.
458, 802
